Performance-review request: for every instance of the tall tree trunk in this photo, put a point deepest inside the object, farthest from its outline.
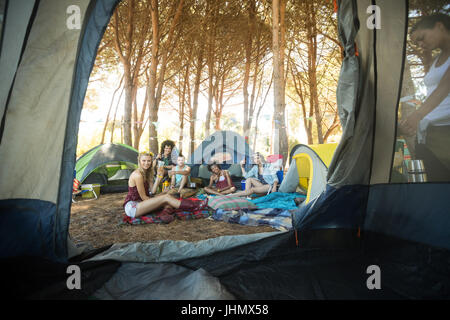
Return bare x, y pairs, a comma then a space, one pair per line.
193, 116
253, 98
155, 85
127, 110
280, 142
248, 61
211, 63
140, 125
151, 87
210, 90
312, 56
182, 107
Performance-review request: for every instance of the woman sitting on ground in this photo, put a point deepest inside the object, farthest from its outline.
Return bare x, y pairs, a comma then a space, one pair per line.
259, 179
222, 180
140, 201
163, 160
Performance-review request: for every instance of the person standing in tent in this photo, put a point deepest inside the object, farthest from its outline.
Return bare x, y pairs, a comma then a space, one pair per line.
259, 179
163, 160
432, 119
222, 180
180, 174
140, 201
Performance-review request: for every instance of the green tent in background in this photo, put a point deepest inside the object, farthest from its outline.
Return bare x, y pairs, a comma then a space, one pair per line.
106, 163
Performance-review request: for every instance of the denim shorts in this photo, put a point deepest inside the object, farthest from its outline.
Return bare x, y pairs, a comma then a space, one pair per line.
130, 208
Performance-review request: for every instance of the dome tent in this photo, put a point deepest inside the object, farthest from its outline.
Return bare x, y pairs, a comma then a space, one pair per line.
111, 153
226, 147
308, 169
359, 219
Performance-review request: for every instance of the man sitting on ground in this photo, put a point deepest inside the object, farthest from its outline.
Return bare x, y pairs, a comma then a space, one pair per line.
180, 174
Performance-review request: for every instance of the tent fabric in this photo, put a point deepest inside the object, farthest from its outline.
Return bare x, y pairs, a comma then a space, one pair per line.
400, 210
27, 229
172, 251
390, 54
94, 25
221, 142
37, 278
104, 154
161, 281
122, 174
355, 221
19, 13
47, 62
275, 268
312, 162
355, 98
335, 208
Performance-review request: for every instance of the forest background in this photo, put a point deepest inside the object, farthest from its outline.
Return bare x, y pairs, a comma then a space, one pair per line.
183, 69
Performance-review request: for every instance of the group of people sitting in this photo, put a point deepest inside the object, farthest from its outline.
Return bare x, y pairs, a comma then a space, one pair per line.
143, 197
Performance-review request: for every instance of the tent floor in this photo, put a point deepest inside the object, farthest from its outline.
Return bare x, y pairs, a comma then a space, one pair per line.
328, 264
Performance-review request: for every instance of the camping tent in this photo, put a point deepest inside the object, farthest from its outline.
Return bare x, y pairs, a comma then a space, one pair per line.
308, 169
359, 221
223, 147
107, 164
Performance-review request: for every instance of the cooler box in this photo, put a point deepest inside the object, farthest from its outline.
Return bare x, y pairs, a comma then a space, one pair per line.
93, 191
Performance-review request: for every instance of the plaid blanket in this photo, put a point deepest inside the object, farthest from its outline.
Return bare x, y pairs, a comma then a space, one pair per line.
153, 218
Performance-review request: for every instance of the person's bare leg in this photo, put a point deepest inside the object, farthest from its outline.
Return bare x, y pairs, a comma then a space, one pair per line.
182, 183
159, 176
263, 189
155, 203
228, 191
172, 182
212, 191
244, 193
250, 183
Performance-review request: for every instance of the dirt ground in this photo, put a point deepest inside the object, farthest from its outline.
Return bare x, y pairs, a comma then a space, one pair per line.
97, 223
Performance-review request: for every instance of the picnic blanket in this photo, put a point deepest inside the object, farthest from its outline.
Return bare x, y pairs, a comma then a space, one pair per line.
280, 200
279, 219
152, 218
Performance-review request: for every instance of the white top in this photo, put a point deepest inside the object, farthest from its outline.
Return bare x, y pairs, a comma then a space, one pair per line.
440, 116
